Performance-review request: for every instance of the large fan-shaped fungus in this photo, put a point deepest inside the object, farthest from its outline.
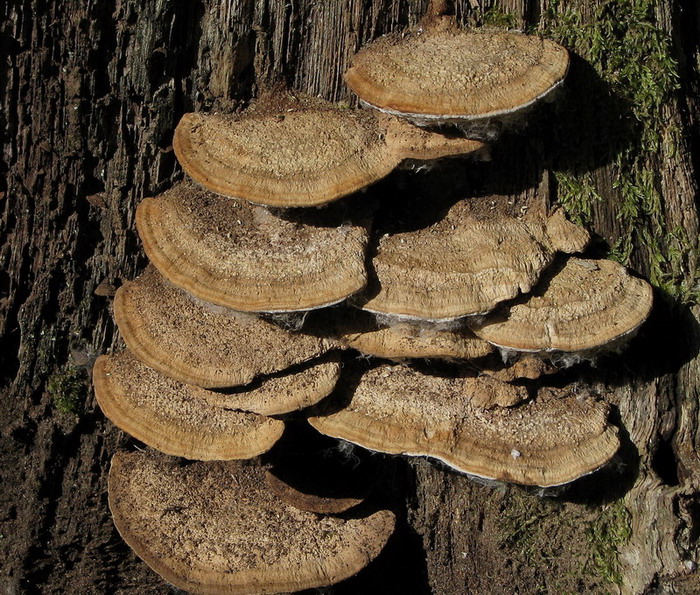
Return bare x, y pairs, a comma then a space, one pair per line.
300, 151
551, 440
464, 264
198, 343
438, 73
237, 255
173, 417
583, 306
213, 528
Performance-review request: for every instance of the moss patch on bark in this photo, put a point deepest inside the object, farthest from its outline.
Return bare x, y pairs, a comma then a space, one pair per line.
634, 59
573, 547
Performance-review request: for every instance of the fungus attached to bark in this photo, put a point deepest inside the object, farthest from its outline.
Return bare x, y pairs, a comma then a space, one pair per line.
299, 387
198, 343
299, 151
237, 255
298, 493
174, 417
215, 528
564, 235
464, 264
436, 72
404, 340
461, 421
526, 367
585, 305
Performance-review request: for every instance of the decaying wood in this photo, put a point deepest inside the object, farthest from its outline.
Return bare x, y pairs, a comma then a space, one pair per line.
90, 93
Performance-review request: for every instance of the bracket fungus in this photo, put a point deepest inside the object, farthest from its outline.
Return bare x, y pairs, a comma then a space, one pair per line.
303, 498
214, 528
404, 340
202, 373
462, 422
465, 264
174, 417
526, 367
241, 256
198, 343
563, 235
308, 471
300, 151
292, 389
583, 306
437, 73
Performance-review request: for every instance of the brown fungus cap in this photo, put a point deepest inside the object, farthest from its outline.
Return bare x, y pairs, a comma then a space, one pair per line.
549, 441
241, 256
464, 264
583, 306
296, 388
438, 72
526, 367
564, 235
404, 341
305, 499
198, 343
299, 151
214, 528
174, 417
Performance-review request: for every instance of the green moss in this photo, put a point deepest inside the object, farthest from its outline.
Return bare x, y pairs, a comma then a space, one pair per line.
67, 388
495, 17
633, 57
521, 523
606, 535
570, 548
577, 194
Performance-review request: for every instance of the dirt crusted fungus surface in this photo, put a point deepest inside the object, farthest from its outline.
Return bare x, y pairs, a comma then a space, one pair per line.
298, 151
405, 340
548, 441
199, 343
464, 264
293, 389
584, 305
241, 256
215, 528
174, 417
438, 71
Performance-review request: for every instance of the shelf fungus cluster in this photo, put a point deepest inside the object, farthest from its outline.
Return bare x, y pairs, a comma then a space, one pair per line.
254, 307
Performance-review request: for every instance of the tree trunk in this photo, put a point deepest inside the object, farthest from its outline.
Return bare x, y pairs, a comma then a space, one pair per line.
90, 94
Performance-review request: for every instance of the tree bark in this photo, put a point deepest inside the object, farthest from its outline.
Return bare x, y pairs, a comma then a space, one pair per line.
90, 94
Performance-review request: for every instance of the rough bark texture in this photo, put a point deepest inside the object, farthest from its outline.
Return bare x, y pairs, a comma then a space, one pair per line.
90, 92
